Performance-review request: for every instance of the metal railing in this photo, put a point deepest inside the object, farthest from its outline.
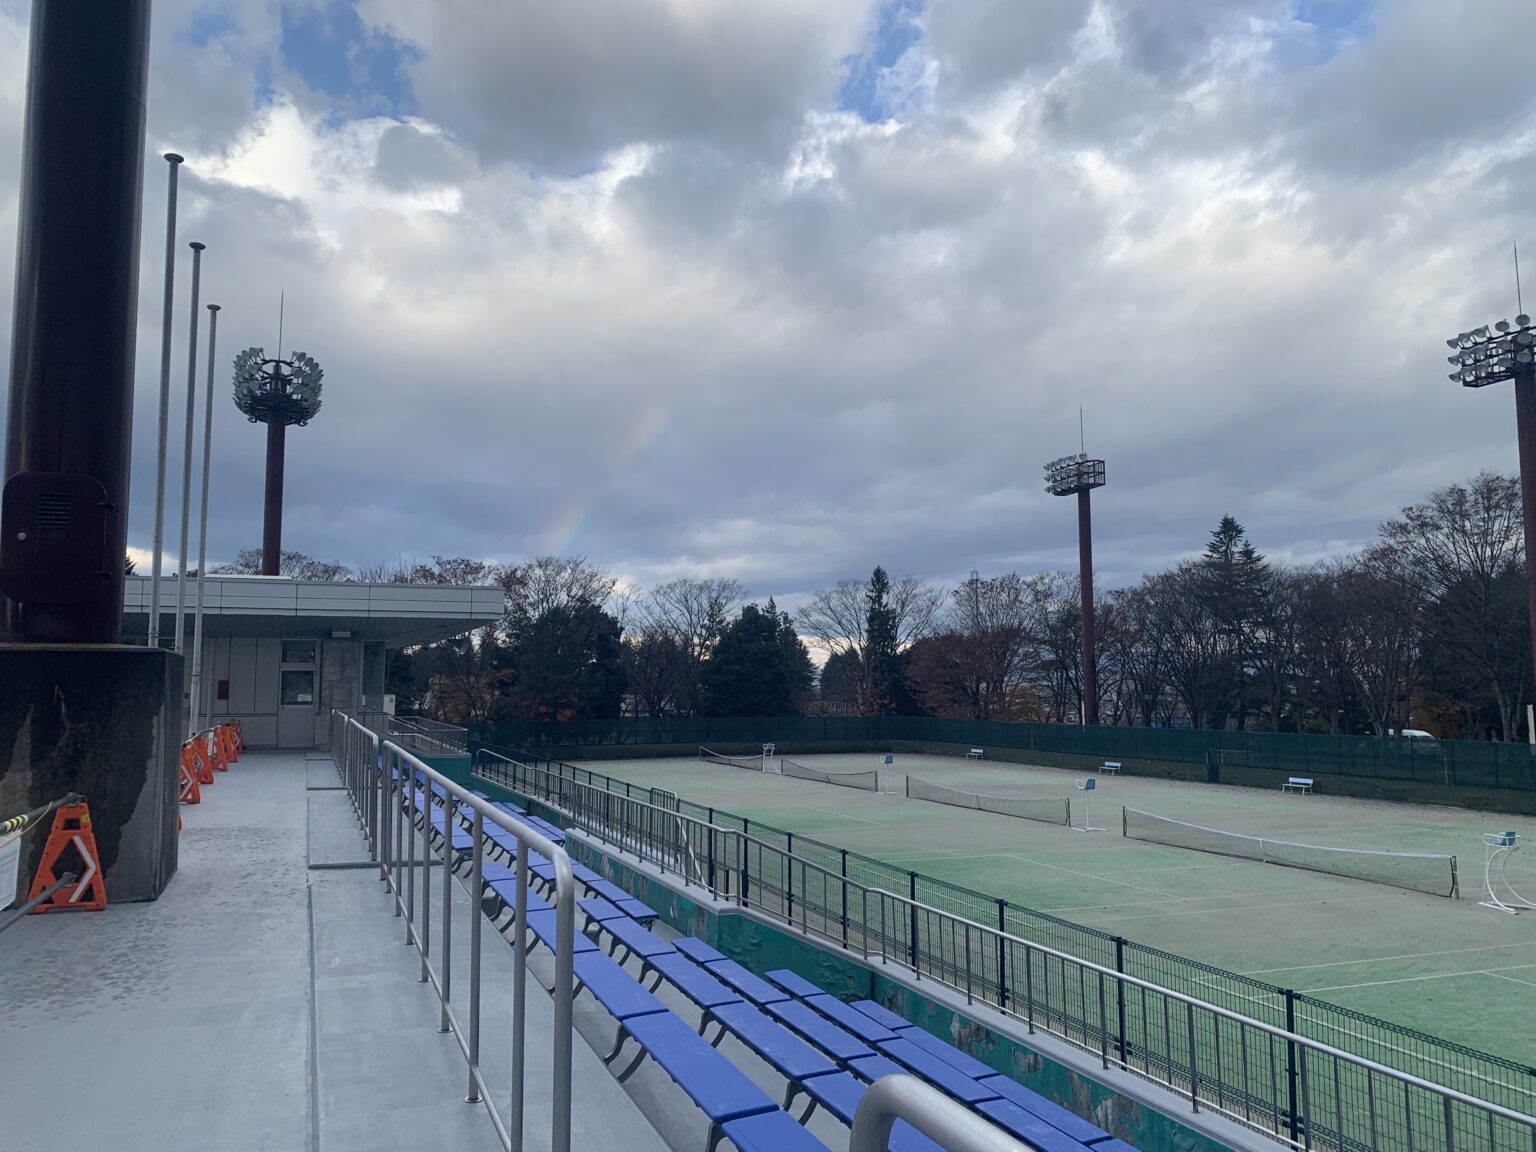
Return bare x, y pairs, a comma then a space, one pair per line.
1303, 1092
1477, 1073
384, 782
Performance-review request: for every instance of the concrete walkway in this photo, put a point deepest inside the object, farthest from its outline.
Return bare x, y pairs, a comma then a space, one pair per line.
260, 1004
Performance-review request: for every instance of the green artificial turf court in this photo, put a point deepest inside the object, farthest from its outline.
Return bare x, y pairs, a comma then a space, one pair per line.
1447, 967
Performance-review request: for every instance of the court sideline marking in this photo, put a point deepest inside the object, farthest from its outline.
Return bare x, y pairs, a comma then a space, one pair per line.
1434, 976
1389, 959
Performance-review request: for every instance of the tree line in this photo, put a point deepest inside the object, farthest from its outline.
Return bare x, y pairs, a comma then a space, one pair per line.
1426, 627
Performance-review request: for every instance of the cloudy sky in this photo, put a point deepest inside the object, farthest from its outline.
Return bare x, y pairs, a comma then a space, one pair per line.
782, 289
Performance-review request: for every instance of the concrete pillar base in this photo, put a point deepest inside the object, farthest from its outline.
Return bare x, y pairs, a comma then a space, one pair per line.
90, 719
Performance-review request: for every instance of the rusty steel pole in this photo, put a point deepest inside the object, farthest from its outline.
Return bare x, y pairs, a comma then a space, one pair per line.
1085, 593
272, 513
1525, 426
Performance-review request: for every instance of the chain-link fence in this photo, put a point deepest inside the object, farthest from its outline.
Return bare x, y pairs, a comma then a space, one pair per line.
1455, 763
1478, 1074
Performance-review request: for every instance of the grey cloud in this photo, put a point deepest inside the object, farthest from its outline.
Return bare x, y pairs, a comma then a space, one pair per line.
558, 85
704, 365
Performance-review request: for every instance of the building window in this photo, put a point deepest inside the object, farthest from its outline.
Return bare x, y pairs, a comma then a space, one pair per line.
298, 688
298, 651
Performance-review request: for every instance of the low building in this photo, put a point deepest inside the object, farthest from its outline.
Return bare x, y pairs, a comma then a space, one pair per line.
279, 654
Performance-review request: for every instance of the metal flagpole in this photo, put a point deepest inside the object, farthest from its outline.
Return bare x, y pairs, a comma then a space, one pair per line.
186, 463
175, 162
196, 710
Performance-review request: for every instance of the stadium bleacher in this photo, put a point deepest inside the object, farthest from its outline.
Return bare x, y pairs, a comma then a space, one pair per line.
822, 1047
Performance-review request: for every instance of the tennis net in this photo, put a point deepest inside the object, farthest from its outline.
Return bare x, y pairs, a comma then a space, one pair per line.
1044, 809
751, 763
867, 779
1430, 872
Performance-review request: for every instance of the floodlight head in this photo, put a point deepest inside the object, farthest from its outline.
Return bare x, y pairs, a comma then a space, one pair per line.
277, 391
1523, 320
1068, 475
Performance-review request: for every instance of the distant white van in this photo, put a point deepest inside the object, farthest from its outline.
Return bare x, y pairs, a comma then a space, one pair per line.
1413, 734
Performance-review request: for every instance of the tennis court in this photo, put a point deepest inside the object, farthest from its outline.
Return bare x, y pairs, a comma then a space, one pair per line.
1447, 967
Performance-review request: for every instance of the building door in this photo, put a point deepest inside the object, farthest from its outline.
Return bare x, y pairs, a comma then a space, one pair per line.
296, 699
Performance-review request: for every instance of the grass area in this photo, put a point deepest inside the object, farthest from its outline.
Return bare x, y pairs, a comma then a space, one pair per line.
1447, 967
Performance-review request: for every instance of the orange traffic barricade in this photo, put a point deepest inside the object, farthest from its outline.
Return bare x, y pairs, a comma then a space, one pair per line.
71, 842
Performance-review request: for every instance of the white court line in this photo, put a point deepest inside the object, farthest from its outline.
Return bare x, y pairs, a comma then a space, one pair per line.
1389, 959
1499, 976
1416, 979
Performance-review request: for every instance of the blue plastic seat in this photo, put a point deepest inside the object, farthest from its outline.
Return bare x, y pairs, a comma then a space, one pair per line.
880, 1014
692, 981
721, 1091
635, 940
1048, 1110
613, 988
770, 1132
839, 1043
939, 1073
840, 1094
542, 925
851, 1018
1028, 1127
788, 1055
794, 983
951, 1055
871, 1068
698, 951
599, 911
749, 984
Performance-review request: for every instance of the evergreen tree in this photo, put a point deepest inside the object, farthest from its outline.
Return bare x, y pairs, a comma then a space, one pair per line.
567, 664
882, 666
796, 659
1234, 586
746, 674
837, 688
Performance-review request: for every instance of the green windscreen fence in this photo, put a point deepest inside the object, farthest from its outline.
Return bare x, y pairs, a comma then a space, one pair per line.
1466, 763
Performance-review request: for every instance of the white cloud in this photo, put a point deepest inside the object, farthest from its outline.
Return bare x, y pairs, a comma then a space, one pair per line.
627, 281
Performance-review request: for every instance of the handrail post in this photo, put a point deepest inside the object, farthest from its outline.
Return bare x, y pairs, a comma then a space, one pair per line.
519, 995
476, 916
450, 821
424, 937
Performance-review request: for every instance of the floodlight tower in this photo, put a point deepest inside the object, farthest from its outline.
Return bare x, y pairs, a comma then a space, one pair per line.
276, 393
1079, 475
1508, 352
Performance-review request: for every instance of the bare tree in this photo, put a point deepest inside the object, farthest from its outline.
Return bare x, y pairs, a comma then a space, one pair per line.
835, 620
549, 582
690, 613
295, 565
1458, 555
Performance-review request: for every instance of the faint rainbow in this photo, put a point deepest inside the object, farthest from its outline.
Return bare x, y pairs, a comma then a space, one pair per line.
558, 536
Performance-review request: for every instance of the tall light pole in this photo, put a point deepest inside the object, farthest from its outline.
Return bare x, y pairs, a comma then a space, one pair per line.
276, 393
1508, 352
1077, 475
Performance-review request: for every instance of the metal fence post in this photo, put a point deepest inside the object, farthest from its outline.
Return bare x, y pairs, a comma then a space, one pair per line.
789, 876
1002, 969
1120, 993
912, 907
1290, 1055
